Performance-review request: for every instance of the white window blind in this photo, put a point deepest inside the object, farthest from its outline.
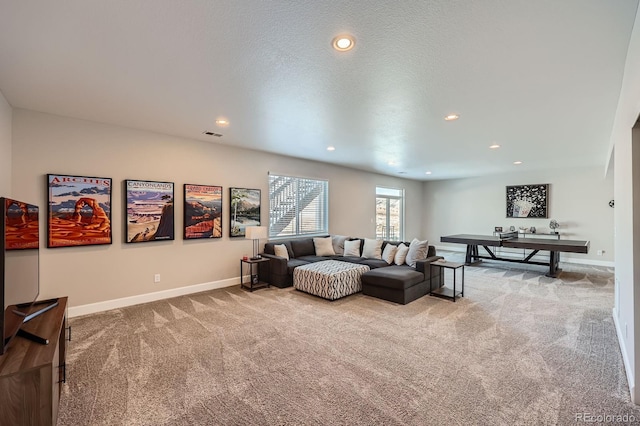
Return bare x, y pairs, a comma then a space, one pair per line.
297, 206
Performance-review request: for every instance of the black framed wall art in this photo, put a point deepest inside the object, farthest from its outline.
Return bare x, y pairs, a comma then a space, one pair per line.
530, 201
202, 211
150, 212
245, 210
79, 211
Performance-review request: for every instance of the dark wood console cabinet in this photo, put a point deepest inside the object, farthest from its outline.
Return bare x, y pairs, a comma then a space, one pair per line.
32, 374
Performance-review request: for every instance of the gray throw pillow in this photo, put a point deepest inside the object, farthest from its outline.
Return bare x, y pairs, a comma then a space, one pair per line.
338, 243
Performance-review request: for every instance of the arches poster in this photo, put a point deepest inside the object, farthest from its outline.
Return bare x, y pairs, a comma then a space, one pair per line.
79, 211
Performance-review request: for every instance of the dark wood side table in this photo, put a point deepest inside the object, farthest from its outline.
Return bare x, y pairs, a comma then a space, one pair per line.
446, 292
254, 281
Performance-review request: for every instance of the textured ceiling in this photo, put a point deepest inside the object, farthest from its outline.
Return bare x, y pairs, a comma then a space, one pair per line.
541, 78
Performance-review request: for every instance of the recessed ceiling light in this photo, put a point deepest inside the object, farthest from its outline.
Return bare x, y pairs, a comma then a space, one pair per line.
222, 122
451, 117
517, 163
427, 173
343, 43
494, 146
392, 163
331, 148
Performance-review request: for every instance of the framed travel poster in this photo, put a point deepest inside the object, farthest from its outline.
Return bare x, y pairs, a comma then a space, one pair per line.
21, 225
202, 211
245, 210
150, 214
79, 211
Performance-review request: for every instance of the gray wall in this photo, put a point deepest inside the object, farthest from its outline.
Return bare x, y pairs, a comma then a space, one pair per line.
5, 147
627, 214
578, 200
49, 144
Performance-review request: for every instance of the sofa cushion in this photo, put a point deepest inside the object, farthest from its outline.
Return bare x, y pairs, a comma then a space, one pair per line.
303, 247
372, 249
281, 251
417, 251
338, 243
352, 248
373, 263
323, 246
396, 277
294, 263
351, 259
314, 258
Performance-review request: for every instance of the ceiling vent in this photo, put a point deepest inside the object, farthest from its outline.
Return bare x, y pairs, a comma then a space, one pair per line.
217, 135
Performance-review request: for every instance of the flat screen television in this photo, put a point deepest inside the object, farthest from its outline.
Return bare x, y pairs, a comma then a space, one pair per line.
19, 267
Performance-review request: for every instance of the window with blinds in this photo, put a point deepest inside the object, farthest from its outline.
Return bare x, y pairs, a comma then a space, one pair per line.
298, 206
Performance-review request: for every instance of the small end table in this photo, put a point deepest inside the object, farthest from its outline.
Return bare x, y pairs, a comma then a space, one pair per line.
254, 281
446, 292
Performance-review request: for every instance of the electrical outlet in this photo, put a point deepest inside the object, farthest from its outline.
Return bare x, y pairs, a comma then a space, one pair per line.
156, 278
600, 252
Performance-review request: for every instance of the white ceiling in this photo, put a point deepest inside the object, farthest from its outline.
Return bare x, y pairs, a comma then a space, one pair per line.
541, 78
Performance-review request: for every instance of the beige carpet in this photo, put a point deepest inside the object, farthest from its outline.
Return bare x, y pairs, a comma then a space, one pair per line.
520, 348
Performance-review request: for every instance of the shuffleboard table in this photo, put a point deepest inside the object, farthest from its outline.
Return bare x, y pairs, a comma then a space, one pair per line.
511, 240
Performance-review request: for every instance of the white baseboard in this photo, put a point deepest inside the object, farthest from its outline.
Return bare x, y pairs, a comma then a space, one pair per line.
563, 259
625, 358
92, 308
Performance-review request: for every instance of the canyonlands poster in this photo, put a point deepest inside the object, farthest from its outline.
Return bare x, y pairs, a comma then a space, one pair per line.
149, 211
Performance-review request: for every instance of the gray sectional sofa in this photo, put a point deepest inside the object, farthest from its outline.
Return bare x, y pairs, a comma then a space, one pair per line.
395, 283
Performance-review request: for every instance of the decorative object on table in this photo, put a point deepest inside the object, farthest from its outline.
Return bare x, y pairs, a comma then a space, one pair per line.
150, 213
532, 229
553, 225
256, 233
79, 211
202, 211
245, 210
611, 203
523, 229
527, 201
512, 228
498, 229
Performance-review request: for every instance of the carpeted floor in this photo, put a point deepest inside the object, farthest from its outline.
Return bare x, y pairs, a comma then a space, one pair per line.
519, 348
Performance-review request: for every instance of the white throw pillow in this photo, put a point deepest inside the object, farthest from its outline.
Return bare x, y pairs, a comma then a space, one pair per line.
401, 254
324, 246
389, 253
372, 249
338, 243
352, 248
417, 251
281, 251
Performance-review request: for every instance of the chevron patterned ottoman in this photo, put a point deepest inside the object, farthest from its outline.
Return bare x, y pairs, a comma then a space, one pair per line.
330, 279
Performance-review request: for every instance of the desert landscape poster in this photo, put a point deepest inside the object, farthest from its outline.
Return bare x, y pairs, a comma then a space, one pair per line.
150, 215
21, 225
79, 211
202, 211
